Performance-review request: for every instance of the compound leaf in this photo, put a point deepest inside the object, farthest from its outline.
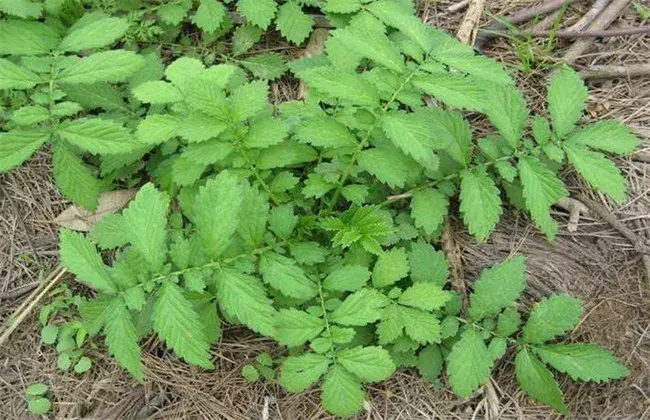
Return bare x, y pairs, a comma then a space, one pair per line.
176, 322
583, 361
551, 317
497, 287
468, 364
537, 381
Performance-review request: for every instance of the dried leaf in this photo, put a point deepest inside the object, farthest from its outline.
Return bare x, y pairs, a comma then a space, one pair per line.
79, 219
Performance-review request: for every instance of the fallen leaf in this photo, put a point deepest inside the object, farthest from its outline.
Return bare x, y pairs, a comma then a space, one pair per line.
79, 219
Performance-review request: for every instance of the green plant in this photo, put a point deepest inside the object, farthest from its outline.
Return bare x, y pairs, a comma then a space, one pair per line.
261, 368
312, 222
37, 402
69, 336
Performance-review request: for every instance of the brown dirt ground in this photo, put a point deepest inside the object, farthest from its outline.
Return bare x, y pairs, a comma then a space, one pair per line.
595, 264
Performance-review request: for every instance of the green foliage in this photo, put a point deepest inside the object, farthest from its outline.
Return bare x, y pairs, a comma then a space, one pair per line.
311, 222
37, 401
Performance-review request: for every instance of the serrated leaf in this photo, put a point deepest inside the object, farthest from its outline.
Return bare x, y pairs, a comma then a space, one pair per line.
401, 16
257, 206
209, 15
325, 132
369, 364
410, 132
537, 381
98, 136
176, 322
265, 66
97, 95
347, 278
18, 145
387, 166
427, 264
266, 131
365, 37
552, 317
497, 287
480, 203
429, 208
249, 100
258, 12
20, 37
453, 89
421, 326
208, 152
567, 99
110, 232
244, 297
430, 363
244, 38
425, 296
79, 256
145, 222
391, 266
93, 30
23, 9
344, 85
30, 115
541, 189
294, 24
508, 322
341, 392
94, 313
174, 13
157, 92
298, 373
77, 182
217, 212
283, 274
107, 66
506, 108
360, 308
13, 76
609, 136
600, 172
391, 325
468, 364
583, 361
122, 339
296, 327
308, 253
158, 128
453, 132
342, 6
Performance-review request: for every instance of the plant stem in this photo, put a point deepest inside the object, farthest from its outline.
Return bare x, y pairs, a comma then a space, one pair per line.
327, 323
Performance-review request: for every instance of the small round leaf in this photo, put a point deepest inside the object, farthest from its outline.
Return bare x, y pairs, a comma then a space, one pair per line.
49, 334
39, 405
36, 390
83, 365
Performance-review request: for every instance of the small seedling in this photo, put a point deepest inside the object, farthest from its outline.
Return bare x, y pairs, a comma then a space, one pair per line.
37, 402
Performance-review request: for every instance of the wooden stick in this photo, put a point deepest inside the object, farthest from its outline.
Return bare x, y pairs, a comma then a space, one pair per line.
638, 242
519, 17
602, 22
30, 303
573, 34
611, 72
585, 21
457, 7
466, 32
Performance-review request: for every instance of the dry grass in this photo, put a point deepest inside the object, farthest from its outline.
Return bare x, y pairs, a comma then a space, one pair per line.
595, 264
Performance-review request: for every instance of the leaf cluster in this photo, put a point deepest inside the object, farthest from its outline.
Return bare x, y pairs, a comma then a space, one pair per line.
312, 221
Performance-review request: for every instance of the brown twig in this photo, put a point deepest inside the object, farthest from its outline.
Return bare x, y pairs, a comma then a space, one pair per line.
573, 34
30, 303
610, 72
19, 291
466, 32
639, 244
519, 17
602, 22
456, 272
585, 21
457, 7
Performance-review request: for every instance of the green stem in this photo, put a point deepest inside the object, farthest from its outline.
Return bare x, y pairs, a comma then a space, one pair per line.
366, 139
327, 323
